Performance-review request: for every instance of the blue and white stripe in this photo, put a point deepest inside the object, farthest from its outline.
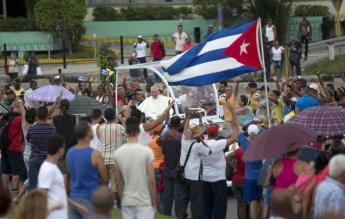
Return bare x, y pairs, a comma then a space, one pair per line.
206, 63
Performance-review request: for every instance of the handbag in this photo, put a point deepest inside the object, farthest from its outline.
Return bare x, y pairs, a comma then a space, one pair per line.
39, 71
179, 171
25, 69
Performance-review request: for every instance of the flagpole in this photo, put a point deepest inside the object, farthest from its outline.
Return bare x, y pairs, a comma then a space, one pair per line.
265, 79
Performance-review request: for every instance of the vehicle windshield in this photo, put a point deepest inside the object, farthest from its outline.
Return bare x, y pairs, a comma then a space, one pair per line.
196, 97
204, 98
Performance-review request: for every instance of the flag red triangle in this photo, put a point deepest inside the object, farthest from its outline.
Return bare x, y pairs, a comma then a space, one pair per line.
246, 49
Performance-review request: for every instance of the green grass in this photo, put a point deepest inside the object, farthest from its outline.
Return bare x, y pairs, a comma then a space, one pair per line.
117, 215
327, 67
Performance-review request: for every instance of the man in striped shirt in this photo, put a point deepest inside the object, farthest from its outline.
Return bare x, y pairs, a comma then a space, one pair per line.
37, 136
111, 136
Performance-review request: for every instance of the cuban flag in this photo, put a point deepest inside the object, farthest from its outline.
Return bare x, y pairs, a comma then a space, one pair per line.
223, 55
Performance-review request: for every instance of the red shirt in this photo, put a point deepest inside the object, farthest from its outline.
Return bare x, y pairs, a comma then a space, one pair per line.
187, 46
157, 50
15, 135
239, 171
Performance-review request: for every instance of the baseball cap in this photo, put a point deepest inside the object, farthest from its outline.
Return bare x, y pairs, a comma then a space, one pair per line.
213, 130
253, 129
314, 86
211, 26
140, 37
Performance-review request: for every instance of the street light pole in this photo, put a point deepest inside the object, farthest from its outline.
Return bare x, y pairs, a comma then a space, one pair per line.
4, 9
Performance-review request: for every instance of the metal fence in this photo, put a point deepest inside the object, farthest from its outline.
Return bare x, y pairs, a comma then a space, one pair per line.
87, 53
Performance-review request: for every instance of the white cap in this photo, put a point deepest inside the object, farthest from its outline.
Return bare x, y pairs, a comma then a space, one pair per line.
314, 86
140, 37
253, 129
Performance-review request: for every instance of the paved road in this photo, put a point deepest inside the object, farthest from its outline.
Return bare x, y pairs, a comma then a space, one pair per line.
231, 212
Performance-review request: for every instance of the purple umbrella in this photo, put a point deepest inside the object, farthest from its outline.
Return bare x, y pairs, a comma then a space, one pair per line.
50, 93
278, 140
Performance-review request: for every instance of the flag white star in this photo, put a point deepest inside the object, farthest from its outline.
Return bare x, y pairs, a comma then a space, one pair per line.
243, 47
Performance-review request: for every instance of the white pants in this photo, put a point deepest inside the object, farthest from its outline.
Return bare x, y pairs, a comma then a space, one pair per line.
137, 212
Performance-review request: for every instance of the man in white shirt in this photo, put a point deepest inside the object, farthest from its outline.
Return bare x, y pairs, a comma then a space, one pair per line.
134, 175
140, 49
51, 179
180, 38
192, 140
29, 104
213, 177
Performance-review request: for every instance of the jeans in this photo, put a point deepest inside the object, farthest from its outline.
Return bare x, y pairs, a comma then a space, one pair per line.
215, 199
173, 192
34, 168
143, 60
295, 62
193, 193
74, 214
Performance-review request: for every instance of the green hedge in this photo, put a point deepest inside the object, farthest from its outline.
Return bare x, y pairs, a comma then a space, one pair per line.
141, 13
311, 10
17, 24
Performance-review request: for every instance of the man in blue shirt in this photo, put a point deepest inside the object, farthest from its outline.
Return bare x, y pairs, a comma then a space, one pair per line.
252, 192
308, 99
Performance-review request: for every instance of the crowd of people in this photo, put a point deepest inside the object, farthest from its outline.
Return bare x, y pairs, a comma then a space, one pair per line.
154, 161
140, 157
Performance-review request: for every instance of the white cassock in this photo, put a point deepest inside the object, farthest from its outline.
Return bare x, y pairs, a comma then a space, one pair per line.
154, 107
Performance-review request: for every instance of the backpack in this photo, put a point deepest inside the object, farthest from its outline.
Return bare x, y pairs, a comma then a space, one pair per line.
4, 127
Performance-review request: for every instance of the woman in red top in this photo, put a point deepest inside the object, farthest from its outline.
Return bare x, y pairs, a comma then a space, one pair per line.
235, 159
188, 44
157, 49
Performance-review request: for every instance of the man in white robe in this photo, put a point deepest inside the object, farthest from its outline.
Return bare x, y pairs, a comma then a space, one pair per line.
154, 105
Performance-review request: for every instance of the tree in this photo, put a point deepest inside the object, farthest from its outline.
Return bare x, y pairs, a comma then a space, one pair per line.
278, 10
208, 8
63, 18
311, 10
105, 14
30, 4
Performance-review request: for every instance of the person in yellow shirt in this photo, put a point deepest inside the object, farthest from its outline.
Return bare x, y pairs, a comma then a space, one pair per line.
16, 87
278, 109
253, 94
230, 98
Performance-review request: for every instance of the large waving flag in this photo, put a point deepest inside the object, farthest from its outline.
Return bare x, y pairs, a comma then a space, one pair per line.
223, 55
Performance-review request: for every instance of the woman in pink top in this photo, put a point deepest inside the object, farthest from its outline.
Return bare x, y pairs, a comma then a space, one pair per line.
285, 171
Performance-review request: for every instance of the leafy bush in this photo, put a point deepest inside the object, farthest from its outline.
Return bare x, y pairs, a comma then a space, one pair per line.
141, 13
311, 10
105, 14
17, 24
208, 8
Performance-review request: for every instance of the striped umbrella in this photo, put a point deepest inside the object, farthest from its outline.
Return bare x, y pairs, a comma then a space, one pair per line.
325, 120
